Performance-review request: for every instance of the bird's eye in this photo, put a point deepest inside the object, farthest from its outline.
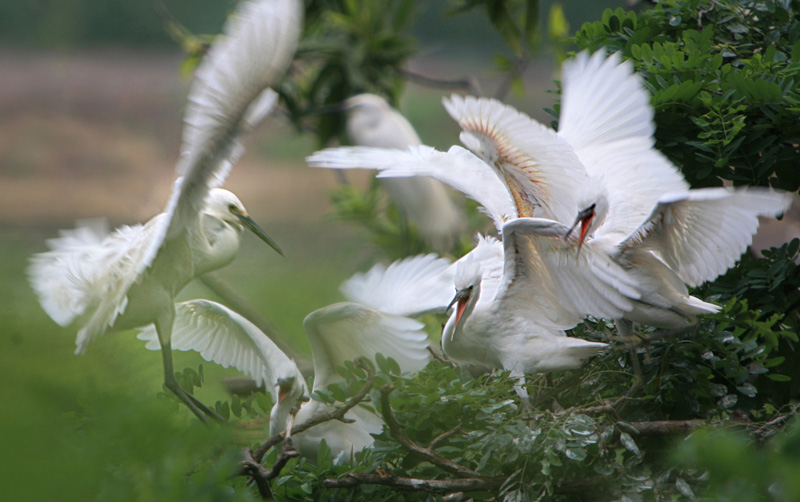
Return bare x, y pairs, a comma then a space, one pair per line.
591, 208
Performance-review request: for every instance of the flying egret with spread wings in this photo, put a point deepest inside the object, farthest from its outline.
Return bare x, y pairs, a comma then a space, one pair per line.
108, 283
375, 320
372, 122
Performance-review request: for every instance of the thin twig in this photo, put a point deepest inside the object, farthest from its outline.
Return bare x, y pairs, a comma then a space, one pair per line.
441, 437
469, 84
397, 432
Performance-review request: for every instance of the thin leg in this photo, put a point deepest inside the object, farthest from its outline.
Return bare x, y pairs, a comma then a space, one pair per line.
625, 332
200, 410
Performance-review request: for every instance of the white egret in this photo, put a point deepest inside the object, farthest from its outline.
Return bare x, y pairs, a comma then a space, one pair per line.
336, 333
131, 277
497, 321
372, 122
638, 218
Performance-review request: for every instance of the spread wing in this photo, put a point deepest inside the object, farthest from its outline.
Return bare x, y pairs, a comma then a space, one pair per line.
541, 267
345, 331
229, 95
702, 233
409, 287
222, 336
607, 118
457, 168
539, 167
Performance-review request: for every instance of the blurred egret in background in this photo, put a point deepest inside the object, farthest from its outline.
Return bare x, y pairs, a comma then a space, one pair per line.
372, 122
130, 278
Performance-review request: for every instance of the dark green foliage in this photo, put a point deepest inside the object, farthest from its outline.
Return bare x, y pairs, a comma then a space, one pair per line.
724, 79
350, 47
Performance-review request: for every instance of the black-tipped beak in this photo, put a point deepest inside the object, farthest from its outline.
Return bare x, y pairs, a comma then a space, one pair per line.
250, 224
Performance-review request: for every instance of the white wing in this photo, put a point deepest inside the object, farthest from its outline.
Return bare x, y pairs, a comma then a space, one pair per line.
409, 287
345, 331
222, 336
567, 285
86, 271
229, 96
457, 168
702, 233
63, 277
607, 118
540, 168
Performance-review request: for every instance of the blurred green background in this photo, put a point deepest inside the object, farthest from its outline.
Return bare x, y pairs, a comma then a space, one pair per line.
91, 98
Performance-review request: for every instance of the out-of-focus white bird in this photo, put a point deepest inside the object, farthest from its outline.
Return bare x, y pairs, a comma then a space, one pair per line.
372, 122
336, 333
131, 277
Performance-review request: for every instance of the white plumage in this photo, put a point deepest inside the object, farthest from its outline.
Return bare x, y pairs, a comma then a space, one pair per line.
372, 122
336, 333
130, 278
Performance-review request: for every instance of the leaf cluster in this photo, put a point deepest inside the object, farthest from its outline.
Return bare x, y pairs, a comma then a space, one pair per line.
724, 77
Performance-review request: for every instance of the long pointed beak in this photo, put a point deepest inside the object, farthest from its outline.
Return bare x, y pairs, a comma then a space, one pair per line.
249, 223
461, 299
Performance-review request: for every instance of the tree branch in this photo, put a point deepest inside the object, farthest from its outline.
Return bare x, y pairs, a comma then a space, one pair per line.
396, 431
469, 84
415, 484
260, 474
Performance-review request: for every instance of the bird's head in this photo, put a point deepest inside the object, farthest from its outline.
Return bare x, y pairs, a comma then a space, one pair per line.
289, 391
593, 207
467, 282
227, 207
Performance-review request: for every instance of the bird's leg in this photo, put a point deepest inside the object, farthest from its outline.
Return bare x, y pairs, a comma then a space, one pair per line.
625, 332
200, 410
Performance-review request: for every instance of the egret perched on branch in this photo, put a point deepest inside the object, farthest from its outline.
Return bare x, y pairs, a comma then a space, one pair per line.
337, 333
640, 235
131, 277
372, 122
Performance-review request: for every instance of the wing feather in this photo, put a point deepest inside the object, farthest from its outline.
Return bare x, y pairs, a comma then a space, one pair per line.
222, 336
457, 168
541, 266
229, 95
543, 165
607, 118
701, 233
345, 331
412, 286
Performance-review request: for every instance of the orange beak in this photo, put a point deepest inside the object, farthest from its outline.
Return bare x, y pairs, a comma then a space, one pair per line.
585, 218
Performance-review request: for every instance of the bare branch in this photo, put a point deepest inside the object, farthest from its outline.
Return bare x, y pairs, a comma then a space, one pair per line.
441, 437
469, 84
397, 432
427, 485
260, 474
